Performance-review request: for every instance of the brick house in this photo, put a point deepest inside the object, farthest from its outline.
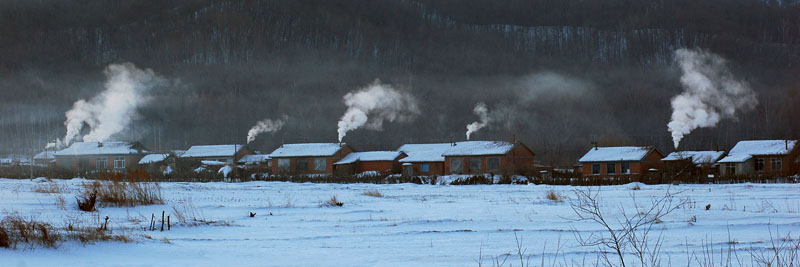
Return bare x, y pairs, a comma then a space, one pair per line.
423, 159
370, 161
482, 157
308, 158
761, 157
227, 154
85, 156
687, 165
623, 161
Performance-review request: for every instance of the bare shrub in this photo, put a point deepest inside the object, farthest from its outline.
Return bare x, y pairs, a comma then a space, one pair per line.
334, 202
116, 191
373, 193
87, 202
555, 197
15, 230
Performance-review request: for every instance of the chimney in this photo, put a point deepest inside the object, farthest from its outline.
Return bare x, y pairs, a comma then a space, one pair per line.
594, 143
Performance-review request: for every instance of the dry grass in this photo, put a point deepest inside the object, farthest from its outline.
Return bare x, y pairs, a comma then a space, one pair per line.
49, 187
373, 193
15, 230
334, 202
555, 197
91, 235
117, 192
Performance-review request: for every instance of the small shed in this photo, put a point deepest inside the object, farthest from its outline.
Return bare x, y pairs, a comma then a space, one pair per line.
692, 165
377, 162
222, 153
423, 159
255, 160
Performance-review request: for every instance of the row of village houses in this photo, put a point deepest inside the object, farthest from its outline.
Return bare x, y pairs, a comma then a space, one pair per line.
757, 157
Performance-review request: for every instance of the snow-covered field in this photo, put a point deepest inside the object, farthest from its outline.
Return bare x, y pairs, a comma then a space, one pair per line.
411, 225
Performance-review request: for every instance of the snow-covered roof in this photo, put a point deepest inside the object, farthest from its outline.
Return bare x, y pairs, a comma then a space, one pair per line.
307, 150
99, 148
424, 152
479, 148
45, 155
153, 158
369, 156
211, 151
743, 149
254, 159
212, 162
698, 157
617, 153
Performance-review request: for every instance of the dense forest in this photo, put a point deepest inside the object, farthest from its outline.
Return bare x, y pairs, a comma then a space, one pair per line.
565, 73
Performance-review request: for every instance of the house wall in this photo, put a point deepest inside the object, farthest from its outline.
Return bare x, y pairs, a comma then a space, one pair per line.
742, 168
518, 161
329, 169
436, 168
131, 161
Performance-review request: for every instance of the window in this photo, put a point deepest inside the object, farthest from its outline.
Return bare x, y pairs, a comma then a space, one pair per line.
425, 168
493, 164
66, 163
596, 169
760, 165
320, 164
625, 168
119, 163
302, 164
611, 168
456, 165
731, 169
776, 164
284, 165
475, 165
101, 163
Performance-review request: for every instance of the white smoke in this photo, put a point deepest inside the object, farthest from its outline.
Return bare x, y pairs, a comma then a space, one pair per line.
483, 118
372, 105
111, 111
266, 126
711, 93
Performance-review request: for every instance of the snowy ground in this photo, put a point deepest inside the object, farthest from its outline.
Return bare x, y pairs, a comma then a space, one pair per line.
411, 225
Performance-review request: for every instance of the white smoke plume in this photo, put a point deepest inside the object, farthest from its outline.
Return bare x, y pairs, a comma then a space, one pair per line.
372, 105
483, 118
711, 93
111, 111
266, 126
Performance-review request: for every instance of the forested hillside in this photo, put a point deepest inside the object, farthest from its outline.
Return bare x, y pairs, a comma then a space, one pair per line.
565, 72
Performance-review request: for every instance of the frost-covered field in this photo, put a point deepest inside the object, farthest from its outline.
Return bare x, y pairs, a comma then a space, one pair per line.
411, 225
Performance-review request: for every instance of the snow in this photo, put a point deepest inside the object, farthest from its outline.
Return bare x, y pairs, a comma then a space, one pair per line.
211, 151
307, 150
743, 150
424, 152
225, 170
212, 162
45, 155
698, 157
153, 158
94, 148
619, 153
369, 156
479, 148
412, 225
254, 159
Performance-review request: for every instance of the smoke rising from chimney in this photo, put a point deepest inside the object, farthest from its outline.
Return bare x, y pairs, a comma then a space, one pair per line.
266, 126
483, 118
711, 93
372, 105
111, 111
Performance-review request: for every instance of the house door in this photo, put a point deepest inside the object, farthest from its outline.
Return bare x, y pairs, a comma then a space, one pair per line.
408, 170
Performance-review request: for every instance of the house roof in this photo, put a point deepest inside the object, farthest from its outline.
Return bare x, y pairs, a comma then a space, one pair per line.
617, 153
45, 155
211, 151
100, 148
153, 158
479, 148
698, 157
254, 159
743, 149
437, 151
369, 156
424, 152
307, 150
